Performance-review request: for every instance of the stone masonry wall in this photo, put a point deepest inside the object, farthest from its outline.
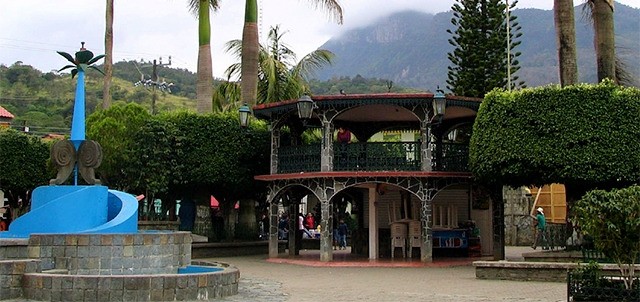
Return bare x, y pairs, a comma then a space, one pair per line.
11, 272
518, 224
112, 254
161, 287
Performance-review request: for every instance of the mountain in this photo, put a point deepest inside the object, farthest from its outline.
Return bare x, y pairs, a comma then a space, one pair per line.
410, 48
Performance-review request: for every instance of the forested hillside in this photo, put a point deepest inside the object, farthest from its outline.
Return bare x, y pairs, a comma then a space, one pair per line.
411, 48
44, 101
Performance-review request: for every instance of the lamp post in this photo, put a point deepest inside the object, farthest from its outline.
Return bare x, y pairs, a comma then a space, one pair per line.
244, 113
439, 104
305, 107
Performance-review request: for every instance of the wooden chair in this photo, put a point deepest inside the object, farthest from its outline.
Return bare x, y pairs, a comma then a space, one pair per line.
398, 238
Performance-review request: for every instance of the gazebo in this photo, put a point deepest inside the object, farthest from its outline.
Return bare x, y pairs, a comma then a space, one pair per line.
403, 178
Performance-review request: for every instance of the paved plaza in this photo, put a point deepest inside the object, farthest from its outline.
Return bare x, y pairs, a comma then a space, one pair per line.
266, 281
262, 280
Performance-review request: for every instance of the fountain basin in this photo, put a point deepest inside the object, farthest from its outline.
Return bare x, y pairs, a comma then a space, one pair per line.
210, 282
146, 266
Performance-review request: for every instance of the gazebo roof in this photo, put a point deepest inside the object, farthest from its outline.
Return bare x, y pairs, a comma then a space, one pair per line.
266, 111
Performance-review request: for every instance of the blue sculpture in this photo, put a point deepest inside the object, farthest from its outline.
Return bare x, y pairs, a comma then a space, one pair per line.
90, 208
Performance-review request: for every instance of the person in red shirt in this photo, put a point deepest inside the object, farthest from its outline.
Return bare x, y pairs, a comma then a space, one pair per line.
344, 136
310, 222
3, 224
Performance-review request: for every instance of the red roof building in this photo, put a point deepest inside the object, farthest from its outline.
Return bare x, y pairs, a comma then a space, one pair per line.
5, 117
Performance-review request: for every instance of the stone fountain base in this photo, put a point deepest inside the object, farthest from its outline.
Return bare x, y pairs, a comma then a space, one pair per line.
146, 266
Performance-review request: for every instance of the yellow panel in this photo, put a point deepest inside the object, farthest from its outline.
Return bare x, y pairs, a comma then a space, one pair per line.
553, 200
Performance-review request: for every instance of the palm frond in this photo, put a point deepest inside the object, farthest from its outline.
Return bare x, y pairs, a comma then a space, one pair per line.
313, 61
332, 7
233, 71
194, 6
234, 47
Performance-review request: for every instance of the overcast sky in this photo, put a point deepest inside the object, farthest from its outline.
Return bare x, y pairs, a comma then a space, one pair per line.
32, 30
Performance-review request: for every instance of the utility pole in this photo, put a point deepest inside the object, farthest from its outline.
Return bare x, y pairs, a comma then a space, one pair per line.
153, 82
508, 47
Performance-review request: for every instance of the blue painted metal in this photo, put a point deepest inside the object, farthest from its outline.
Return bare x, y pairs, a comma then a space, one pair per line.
77, 121
122, 213
76, 209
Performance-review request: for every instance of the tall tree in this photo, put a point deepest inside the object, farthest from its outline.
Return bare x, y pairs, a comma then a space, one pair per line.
604, 37
23, 159
204, 84
108, 60
566, 41
280, 75
251, 45
479, 59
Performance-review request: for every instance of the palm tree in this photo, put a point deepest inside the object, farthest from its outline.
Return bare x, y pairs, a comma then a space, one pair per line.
566, 41
108, 61
204, 85
601, 12
280, 75
250, 48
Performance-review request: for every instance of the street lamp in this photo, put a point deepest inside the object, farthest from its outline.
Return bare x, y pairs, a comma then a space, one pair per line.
244, 113
439, 104
305, 107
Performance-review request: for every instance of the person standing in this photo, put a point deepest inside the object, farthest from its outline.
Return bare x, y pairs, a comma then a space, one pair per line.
344, 135
541, 227
342, 233
309, 221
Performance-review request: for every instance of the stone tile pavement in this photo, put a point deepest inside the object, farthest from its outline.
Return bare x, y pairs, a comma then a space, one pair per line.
266, 281
263, 281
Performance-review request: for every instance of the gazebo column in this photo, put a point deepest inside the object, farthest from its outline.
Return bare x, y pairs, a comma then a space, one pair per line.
373, 223
273, 228
326, 156
294, 208
326, 251
425, 145
426, 217
275, 144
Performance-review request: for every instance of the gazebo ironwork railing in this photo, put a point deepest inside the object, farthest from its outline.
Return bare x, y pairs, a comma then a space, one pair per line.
370, 156
455, 157
377, 156
301, 158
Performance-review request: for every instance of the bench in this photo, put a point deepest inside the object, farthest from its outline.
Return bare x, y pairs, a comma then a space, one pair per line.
589, 255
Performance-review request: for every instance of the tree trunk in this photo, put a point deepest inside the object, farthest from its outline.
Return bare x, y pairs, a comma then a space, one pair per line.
250, 52
108, 60
604, 38
566, 41
204, 85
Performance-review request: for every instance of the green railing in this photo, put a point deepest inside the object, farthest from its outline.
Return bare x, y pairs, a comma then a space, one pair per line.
377, 156
303, 158
455, 157
370, 156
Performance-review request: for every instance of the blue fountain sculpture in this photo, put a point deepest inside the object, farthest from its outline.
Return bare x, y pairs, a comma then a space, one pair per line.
91, 208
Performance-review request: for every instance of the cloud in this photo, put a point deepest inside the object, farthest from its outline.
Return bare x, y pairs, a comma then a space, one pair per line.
32, 30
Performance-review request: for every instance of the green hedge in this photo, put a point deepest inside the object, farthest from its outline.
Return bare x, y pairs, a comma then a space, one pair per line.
583, 134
